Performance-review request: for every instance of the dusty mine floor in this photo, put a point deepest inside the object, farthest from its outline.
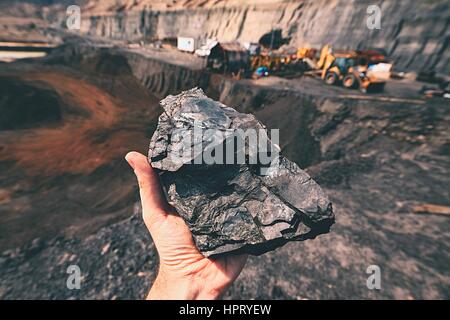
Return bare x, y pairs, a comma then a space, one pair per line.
67, 196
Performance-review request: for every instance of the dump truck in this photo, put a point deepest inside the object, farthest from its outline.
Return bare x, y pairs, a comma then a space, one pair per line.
365, 70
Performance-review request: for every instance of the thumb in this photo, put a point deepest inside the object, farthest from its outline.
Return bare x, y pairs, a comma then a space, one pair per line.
152, 198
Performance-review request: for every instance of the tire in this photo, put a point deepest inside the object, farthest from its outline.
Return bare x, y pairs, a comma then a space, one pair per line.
331, 78
350, 81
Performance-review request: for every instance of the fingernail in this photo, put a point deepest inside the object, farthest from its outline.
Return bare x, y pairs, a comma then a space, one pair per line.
130, 162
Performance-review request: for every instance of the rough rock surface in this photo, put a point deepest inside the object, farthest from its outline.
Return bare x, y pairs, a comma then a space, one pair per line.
417, 39
241, 203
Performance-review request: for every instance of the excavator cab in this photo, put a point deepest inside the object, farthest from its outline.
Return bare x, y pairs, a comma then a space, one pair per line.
341, 67
344, 63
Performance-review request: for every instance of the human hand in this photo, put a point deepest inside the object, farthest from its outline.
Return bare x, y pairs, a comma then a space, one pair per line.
184, 273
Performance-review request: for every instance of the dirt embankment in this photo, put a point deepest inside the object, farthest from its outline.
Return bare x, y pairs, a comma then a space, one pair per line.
160, 71
67, 121
63, 142
163, 78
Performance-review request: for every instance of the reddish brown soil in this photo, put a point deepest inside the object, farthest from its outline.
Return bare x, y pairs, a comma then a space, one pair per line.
50, 168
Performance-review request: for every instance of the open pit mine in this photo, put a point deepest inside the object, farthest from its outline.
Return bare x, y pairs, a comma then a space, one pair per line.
358, 91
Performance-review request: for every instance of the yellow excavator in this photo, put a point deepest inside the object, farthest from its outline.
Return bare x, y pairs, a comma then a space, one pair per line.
366, 70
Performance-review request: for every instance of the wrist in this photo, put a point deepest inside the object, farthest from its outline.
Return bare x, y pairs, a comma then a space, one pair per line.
186, 287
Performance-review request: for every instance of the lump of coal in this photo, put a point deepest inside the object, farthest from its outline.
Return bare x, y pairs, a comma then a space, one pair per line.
229, 182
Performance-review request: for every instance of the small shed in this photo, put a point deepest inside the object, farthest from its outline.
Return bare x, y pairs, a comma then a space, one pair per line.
186, 44
228, 57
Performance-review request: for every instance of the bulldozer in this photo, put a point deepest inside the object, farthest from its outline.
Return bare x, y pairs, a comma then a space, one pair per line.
364, 70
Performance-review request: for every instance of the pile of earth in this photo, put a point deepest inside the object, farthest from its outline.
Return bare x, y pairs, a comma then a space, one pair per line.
64, 133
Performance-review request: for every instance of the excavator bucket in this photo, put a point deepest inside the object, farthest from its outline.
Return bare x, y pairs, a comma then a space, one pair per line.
323, 55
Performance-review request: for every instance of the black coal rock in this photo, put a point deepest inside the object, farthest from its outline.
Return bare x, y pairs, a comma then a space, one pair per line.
233, 194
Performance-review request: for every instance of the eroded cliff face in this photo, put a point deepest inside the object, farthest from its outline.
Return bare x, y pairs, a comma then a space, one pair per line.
414, 33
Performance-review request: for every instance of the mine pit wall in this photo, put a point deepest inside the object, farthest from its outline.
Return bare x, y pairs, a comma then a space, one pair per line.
162, 78
318, 129
416, 34
271, 106
159, 77
300, 139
